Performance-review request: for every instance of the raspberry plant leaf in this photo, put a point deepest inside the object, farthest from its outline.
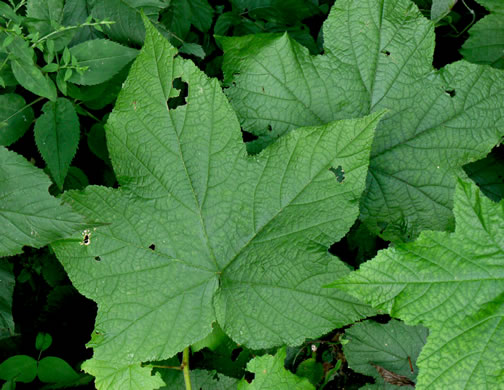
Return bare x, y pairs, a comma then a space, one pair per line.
199, 231
453, 283
378, 55
270, 373
28, 214
391, 346
124, 377
485, 44
57, 136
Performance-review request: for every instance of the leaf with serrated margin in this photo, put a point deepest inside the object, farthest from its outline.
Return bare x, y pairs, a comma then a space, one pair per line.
28, 214
200, 231
57, 137
128, 28
392, 346
126, 377
485, 44
453, 283
270, 373
378, 55
103, 59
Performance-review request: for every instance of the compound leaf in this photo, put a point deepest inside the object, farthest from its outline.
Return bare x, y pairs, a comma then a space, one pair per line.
453, 283
28, 214
270, 373
378, 55
57, 136
200, 231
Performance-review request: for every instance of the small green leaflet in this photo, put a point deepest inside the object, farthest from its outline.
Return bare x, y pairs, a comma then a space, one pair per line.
103, 58
485, 44
378, 55
57, 136
28, 214
270, 374
199, 231
453, 283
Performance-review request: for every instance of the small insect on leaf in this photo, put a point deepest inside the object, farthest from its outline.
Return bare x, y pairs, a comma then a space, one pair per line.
86, 237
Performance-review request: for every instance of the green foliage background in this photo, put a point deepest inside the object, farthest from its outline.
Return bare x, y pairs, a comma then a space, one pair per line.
372, 135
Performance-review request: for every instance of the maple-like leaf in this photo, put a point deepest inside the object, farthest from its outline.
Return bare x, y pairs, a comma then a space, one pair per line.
199, 231
378, 55
453, 283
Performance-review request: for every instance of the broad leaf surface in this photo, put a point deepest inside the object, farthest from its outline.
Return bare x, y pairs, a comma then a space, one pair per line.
201, 231
270, 374
103, 58
57, 136
485, 44
378, 55
128, 27
76, 12
28, 214
453, 283
488, 174
15, 118
126, 377
387, 345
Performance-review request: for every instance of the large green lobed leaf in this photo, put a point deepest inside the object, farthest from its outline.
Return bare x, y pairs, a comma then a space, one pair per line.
378, 55
452, 283
200, 231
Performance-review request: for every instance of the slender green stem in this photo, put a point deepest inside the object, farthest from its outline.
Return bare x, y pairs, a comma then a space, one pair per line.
24, 108
178, 368
185, 368
68, 28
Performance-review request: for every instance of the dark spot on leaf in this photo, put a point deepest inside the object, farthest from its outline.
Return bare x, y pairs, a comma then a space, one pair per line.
248, 137
235, 353
179, 100
339, 173
451, 92
386, 52
262, 89
152, 247
97, 258
270, 129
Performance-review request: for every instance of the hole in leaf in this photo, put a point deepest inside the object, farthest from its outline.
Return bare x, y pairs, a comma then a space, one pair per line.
152, 247
386, 52
97, 258
236, 352
248, 137
339, 173
450, 92
180, 100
